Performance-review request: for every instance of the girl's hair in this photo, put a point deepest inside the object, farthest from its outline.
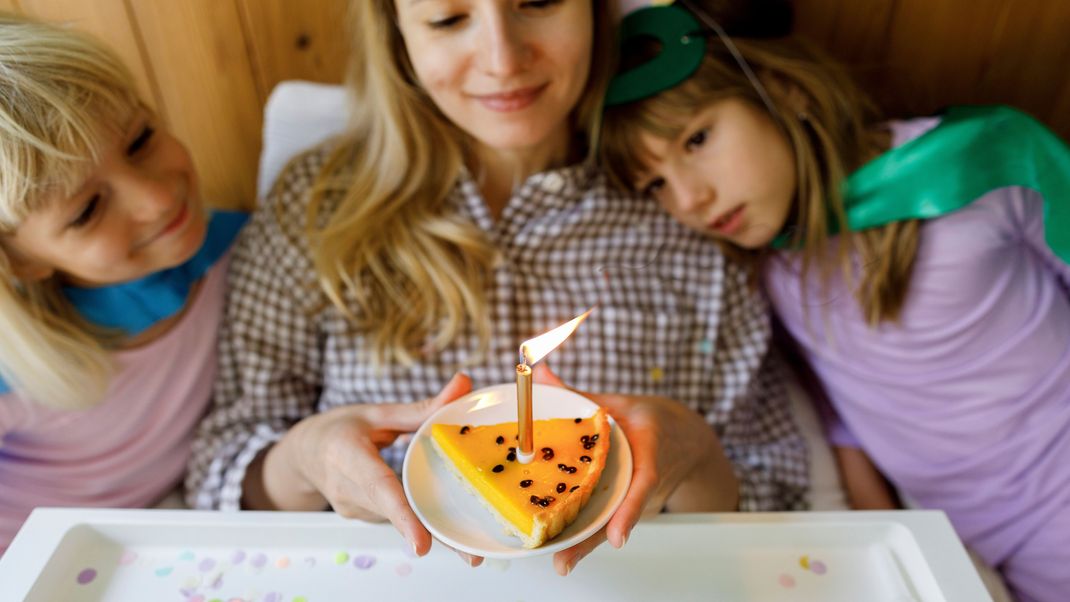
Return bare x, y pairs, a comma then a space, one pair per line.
62, 96
832, 131
389, 241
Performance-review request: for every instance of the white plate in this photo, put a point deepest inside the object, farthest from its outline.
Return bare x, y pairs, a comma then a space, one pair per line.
455, 517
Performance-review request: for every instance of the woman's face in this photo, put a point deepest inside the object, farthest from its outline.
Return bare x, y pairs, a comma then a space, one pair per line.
507, 72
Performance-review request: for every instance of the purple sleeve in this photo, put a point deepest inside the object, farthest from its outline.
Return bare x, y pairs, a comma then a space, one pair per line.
1029, 215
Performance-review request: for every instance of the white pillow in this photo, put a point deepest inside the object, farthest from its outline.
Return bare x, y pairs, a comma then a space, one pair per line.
298, 115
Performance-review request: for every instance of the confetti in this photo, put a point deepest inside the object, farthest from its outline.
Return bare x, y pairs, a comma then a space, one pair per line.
804, 562
187, 555
164, 571
127, 558
258, 560
657, 374
818, 568
206, 565
341, 558
403, 570
787, 581
237, 557
273, 597
364, 562
86, 576
300, 599
282, 562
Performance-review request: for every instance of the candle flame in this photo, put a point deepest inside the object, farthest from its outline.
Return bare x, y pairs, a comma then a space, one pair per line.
533, 350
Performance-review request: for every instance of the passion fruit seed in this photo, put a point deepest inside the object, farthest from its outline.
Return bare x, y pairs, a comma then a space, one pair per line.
500, 440
574, 488
525, 483
585, 458
465, 429
498, 468
578, 420
561, 487
547, 453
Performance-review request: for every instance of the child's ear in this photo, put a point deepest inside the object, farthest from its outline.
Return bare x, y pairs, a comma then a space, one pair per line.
25, 268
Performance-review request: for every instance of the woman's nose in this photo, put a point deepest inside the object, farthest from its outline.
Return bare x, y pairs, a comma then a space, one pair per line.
504, 49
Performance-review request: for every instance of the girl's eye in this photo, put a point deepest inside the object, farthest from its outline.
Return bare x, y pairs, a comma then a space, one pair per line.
87, 213
654, 187
446, 23
142, 140
696, 140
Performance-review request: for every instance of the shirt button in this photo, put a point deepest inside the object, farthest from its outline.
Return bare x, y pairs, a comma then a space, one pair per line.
553, 182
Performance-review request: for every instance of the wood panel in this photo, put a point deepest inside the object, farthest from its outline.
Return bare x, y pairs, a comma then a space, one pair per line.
205, 77
109, 20
290, 40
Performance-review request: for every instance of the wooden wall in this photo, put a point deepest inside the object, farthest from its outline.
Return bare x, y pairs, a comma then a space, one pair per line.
207, 66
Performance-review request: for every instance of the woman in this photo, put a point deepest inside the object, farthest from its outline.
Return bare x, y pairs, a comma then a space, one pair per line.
452, 222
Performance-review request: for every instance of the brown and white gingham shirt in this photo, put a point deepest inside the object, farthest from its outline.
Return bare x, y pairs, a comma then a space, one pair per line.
673, 319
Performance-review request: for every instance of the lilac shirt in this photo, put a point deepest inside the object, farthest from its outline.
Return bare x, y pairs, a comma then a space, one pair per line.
964, 405
130, 450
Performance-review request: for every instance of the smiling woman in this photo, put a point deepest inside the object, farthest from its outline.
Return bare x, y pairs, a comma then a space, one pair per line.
455, 219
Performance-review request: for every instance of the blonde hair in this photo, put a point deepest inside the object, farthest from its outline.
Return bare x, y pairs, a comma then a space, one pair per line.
62, 94
835, 135
413, 268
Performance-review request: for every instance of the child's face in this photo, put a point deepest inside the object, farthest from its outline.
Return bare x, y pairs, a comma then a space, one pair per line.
508, 73
138, 212
730, 175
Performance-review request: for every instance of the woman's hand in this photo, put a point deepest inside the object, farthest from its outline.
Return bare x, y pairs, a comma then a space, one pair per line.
333, 458
673, 450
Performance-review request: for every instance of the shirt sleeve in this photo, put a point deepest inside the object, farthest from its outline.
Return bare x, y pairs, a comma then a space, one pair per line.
1029, 214
270, 348
751, 412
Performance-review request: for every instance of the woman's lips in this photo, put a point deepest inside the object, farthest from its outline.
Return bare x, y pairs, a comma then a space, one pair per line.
729, 222
514, 100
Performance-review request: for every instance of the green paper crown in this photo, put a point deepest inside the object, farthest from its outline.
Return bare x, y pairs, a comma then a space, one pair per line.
682, 49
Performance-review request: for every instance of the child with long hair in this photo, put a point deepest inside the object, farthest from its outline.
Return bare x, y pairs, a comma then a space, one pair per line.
112, 282
920, 266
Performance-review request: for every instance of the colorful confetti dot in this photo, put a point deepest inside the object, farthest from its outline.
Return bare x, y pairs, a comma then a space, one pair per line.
206, 565
258, 560
787, 581
657, 374
236, 600
403, 570
187, 555
273, 597
87, 576
300, 599
237, 557
217, 582
341, 558
282, 562
818, 567
127, 558
195, 598
164, 571
364, 562
804, 562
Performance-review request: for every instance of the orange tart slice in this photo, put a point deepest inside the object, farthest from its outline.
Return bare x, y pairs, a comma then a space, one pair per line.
534, 501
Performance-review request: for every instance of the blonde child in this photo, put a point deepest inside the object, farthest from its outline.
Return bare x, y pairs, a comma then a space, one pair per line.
920, 266
112, 282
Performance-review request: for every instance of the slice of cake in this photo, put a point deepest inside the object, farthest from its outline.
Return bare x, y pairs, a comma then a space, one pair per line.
534, 501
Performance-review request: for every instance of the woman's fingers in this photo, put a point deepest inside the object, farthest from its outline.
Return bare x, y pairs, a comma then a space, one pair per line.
407, 417
565, 560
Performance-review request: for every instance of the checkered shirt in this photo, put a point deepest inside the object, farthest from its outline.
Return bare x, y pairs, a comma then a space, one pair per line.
673, 319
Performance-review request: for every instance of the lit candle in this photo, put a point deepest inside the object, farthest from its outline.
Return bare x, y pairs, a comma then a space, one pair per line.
531, 351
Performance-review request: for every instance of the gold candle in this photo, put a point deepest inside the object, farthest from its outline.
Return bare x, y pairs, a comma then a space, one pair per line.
525, 451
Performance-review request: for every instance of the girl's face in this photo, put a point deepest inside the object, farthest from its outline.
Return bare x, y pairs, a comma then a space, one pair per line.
507, 72
138, 212
730, 174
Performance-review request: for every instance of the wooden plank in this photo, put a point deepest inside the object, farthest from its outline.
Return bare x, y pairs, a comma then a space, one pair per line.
199, 59
291, 40
11, 6
110, 21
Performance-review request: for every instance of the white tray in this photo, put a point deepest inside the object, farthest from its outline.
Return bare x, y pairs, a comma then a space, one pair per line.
77, 555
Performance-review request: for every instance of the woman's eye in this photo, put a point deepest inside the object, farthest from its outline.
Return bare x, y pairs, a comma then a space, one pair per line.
696, 140
653, 187
446, 23
142, 140
87, 212
537, 4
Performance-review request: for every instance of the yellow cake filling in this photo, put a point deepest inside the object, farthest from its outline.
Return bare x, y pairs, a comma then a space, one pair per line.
486, 457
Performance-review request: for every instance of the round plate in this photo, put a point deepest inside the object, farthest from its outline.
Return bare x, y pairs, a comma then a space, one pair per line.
455, 517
